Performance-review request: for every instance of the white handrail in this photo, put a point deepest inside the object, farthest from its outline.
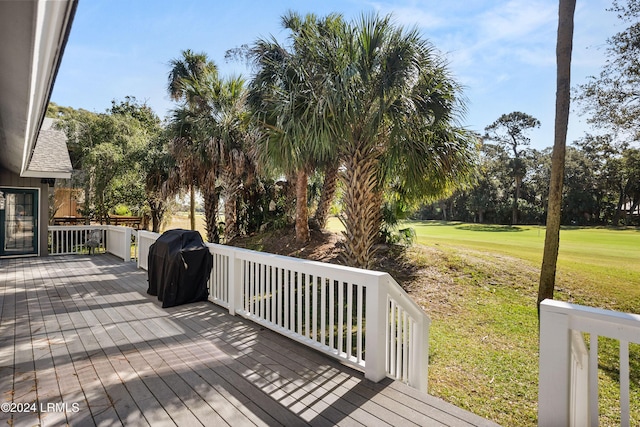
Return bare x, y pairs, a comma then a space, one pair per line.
566, 369
119, 241
145, 240
361, 317
72, 239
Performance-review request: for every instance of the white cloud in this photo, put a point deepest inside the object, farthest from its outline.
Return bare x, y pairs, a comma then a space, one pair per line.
518, 20
410, 15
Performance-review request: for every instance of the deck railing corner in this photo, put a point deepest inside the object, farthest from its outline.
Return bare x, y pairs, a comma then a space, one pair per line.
361, 317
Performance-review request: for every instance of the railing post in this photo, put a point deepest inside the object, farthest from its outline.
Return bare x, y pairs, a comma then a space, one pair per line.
376, 332
139, 239
419, 370
555, 353
126, 254
579, 396
235, 283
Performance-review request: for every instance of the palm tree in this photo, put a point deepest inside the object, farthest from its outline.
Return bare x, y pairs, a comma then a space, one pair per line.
284, 98
195, 153
327, 194
396, 109
371, 97
233, 139
563, 98
190, 81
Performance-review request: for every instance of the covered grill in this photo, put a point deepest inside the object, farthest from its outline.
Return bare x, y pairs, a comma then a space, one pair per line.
179, 268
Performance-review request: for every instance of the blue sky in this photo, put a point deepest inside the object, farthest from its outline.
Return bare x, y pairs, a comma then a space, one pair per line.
503, 52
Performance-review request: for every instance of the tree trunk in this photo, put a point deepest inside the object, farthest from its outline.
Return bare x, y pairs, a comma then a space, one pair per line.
443, 208
329, 187
514, 210
192, 206
290, 199
618, 214
362, 208
211, 197
563, 99
158, 208
634, 207
302, 211
87, 201
230, 188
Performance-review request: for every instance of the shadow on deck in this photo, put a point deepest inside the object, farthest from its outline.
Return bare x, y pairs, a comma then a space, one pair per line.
82, 343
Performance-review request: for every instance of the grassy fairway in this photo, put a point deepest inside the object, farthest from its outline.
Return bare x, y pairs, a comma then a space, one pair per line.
598, 266
479, 284
181, 220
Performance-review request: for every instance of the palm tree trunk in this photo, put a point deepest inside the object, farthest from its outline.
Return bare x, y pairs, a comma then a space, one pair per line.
362, 211
290, 198
192, 206
157, 212
563, 99
230, 188
329, 187
302, 210
211, 197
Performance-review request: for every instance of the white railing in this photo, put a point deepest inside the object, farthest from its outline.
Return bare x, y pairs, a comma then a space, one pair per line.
360, 317
72, 239
568, 386
119, 241
145, 240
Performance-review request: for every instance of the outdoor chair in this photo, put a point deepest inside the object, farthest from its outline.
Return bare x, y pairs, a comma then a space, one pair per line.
94, 240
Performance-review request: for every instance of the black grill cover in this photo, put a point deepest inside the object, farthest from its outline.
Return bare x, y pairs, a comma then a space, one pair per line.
179, 268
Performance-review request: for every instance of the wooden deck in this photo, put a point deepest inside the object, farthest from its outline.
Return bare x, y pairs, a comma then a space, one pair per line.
82, 342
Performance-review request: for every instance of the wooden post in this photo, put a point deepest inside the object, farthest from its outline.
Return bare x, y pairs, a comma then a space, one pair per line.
555, 352
235, 283
375, 334
126, 254
419, 369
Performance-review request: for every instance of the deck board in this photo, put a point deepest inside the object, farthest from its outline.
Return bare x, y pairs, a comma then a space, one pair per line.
81, 329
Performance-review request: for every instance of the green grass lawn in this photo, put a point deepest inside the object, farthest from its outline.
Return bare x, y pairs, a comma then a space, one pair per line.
484, 333
599, 264
181, 220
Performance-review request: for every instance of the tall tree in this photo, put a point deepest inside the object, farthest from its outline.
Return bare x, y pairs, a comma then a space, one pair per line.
396, 109
190, 81
195, 153
149, 171
284, 96
235, 140
612, 99
383, 98
563, 99
158, 164
107, 148
327, 193
510, 130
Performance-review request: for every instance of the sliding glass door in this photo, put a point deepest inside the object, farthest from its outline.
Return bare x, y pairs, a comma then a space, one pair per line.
19, 222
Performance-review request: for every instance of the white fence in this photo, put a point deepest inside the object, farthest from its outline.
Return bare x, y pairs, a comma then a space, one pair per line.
360, 317
568, 387
72, 239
